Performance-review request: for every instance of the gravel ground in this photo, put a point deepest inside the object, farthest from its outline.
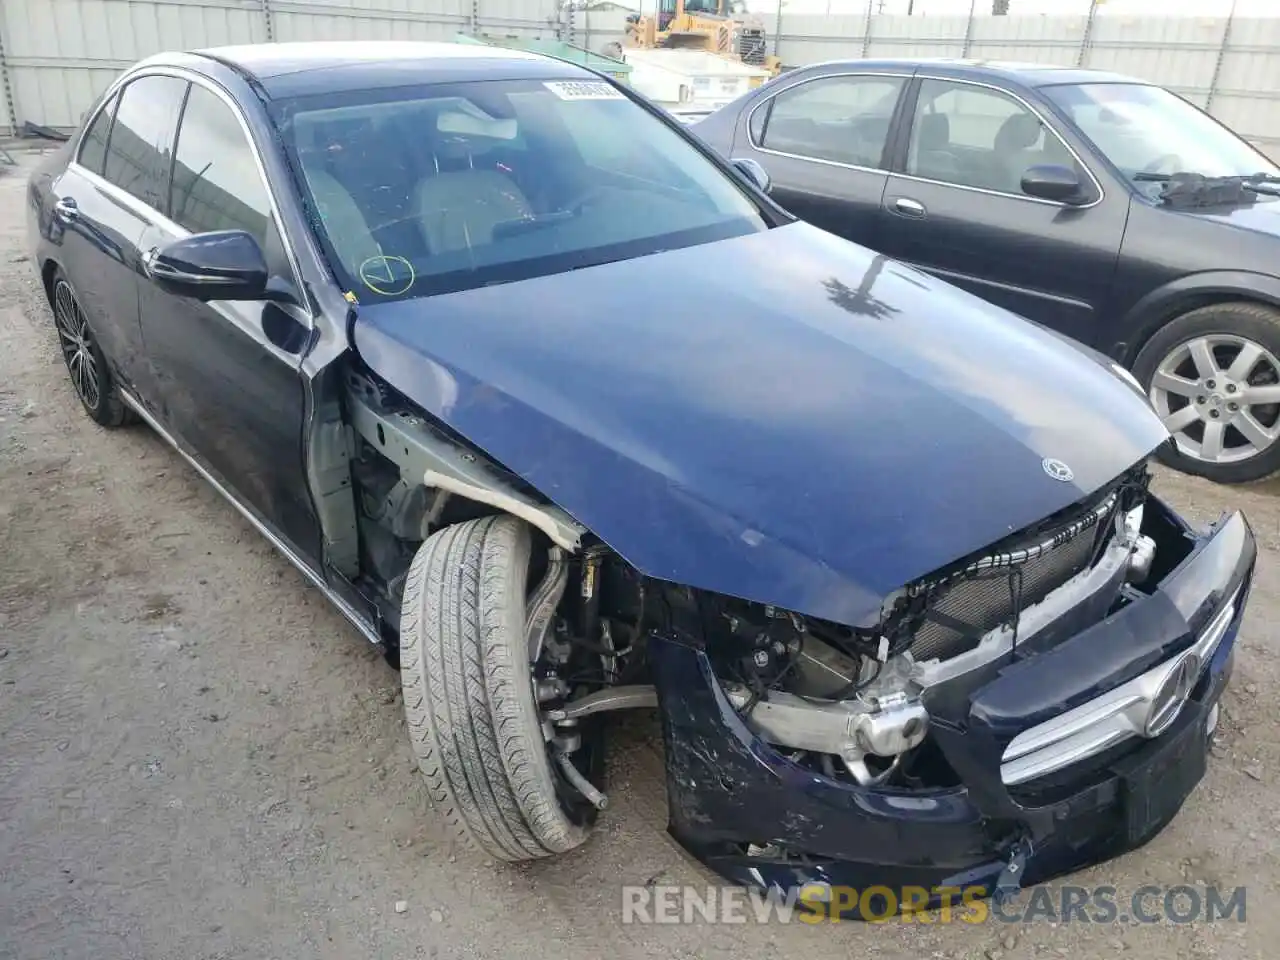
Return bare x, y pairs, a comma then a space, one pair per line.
199, 758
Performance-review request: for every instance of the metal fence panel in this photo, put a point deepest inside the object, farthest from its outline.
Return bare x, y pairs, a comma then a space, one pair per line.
1027, 39
1247, 94
1177, 52
811, 38
60, 54
519, 18
902, 36
596, 29
321, 21
56, 56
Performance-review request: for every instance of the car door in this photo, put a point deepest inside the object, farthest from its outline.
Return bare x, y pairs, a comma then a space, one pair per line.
228, 371
955, 207
104, 201
824, 142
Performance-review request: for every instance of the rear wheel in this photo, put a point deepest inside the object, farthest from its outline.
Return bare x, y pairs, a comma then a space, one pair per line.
469, 696
86, 365
1213, 376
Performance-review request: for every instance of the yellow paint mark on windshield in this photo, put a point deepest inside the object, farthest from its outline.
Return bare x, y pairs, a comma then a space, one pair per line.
382, 275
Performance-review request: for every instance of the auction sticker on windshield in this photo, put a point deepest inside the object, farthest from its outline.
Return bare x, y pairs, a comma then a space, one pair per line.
583, 90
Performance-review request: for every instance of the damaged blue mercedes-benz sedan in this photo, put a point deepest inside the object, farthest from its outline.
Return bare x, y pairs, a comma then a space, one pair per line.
566, 414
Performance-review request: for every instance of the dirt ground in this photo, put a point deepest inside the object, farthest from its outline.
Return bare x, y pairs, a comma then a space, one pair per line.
200, 759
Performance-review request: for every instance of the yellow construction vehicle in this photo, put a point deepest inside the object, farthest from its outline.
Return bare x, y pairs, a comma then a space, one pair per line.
722, 27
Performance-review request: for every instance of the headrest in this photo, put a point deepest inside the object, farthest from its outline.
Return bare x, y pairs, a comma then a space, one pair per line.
1017, 133
935, 131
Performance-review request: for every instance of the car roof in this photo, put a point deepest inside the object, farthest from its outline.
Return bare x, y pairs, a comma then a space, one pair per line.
294, 69
1007, 71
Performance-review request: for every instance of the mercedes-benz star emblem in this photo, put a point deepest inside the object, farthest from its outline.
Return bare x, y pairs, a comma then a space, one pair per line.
1057, 469
1172, 695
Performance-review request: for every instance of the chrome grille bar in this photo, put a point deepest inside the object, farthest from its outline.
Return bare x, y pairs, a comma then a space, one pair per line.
1134, 709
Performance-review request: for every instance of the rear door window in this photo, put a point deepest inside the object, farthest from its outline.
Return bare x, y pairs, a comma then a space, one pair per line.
93, 146
141, 142
843, 119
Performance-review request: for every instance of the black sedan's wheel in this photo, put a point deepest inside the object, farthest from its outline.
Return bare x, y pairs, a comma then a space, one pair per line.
468, 692
1213, 376
86, 365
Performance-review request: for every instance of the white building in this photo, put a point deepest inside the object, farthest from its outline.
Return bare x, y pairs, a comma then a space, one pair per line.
690, 78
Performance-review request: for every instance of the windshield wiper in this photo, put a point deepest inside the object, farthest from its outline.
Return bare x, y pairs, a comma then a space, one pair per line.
1144, 176
1188, 189
507, 229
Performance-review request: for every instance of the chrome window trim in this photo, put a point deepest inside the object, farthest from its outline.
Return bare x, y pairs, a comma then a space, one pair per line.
367, 629
107, 98
1097, 185
145, 209
799, 83
908, 176
1112, 718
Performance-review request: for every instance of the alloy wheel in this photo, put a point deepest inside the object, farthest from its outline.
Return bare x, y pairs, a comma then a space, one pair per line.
1219, 395
76, 341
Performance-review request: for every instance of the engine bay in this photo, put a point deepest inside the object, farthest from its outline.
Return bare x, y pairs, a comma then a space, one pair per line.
848, 703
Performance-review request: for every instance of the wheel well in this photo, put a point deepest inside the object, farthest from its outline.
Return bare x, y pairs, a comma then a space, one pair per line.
47, 271
1171, 310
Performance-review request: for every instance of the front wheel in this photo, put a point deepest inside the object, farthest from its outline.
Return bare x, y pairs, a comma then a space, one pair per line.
1213, 376
468, 692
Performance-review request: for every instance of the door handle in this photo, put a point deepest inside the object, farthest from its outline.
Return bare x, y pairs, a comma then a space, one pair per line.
908, 207
66, 210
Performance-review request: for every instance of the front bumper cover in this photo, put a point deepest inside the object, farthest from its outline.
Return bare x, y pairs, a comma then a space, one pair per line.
729, 790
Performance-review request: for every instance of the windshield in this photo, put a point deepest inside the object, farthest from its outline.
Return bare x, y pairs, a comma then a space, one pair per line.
1147, 131
447, 187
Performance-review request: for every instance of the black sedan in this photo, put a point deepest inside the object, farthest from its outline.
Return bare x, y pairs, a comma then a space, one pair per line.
1103, 207
569, 416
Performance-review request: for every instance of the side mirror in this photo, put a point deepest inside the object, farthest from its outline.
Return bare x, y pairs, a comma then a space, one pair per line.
221, 265
753, 172
1053, 182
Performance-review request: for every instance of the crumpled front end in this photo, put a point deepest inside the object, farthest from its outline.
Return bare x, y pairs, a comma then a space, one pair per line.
1079, 741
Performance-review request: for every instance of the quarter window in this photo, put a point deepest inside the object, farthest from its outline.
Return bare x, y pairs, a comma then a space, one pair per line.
138, 151
93, 147
978, 137
216, 183
845, 119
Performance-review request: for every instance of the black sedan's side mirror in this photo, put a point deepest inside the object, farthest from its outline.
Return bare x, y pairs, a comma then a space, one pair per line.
754, 172
1051, 181
221, 265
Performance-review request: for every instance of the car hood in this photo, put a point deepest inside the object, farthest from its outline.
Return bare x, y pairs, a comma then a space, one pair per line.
784, 417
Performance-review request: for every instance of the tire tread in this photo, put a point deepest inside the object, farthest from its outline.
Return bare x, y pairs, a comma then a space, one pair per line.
468, 694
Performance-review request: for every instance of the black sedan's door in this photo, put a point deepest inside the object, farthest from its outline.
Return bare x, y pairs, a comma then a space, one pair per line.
957, 208
824, 141
228, 370
102, 204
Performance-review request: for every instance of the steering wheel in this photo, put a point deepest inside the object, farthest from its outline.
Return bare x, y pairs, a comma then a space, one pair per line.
1172, 159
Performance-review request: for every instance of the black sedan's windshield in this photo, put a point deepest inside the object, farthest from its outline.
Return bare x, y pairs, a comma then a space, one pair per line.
1149, 133
451, 186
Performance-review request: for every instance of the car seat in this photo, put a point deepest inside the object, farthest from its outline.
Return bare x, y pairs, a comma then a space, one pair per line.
933, 158
344, 223
1012, 148
458, 208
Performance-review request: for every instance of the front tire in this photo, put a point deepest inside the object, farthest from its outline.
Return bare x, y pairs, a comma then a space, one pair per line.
468, 692
1213, 376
